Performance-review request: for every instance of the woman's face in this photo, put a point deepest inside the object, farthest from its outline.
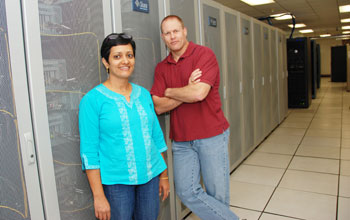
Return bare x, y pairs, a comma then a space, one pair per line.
121, 61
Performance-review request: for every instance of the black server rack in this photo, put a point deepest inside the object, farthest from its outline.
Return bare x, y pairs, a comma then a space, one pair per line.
313, 69
338, 64
299, 72
318, 60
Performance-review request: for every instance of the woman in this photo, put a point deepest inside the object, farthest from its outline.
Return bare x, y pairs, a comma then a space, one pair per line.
121, 142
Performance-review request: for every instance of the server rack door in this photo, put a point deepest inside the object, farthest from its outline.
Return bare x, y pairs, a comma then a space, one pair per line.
280, 77
285, 71
234, 97
64, 64
266, 92
247, 81
274, 79
143, 25
188, 11
258, 83
19, 179
212, 37
338, 63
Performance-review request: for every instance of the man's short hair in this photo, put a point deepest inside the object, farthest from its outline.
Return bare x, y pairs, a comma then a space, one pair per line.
170, 17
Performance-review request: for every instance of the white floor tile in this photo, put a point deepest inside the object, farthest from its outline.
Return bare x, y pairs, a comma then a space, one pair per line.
343, 208
345, 142
321, 141
288, 149
266, 216
319, 151
315, 165
295, 114
258, 175
289, 131
250, 196
310, 182
344, 186
325, 125
284, 139
294, 125
345, 134
345, 167
345, 153
246, 214
268, 160
304, 205
323, 133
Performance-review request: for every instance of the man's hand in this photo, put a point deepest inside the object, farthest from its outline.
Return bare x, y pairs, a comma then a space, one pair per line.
194, 78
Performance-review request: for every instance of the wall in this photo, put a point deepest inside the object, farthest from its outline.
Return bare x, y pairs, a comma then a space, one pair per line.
325, 46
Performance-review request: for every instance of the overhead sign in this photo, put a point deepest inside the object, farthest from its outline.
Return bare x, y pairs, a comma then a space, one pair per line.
140, 6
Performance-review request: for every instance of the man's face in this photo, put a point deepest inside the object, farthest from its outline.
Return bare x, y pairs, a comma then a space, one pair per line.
174, 35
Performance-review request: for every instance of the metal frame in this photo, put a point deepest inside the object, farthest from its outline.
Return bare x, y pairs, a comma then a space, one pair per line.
225, 71
38, 108
21, 101
39, 105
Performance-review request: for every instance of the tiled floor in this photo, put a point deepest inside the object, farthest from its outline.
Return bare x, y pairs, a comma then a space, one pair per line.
302, 170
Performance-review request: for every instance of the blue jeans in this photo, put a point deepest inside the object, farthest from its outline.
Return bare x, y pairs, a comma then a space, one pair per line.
209, 157
137, 202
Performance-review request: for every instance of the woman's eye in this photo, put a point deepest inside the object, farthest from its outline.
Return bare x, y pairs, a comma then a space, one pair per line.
116, 56
130, 55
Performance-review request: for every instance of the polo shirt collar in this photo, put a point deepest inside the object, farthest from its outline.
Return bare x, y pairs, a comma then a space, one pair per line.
188, 52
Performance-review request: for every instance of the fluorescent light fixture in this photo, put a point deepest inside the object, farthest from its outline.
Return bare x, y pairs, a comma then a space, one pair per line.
325, 35
345, 20
345, 28
282, 16
258, 2
306, 31
297, 25
344, 8
346, 32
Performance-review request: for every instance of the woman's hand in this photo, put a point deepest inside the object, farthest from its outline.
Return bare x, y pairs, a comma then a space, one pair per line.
102, 208
164, 187
194, 77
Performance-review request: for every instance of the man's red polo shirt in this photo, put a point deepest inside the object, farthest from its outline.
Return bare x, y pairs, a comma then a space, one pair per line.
192, 121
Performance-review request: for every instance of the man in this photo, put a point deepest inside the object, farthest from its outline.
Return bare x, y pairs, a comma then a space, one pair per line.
187, 84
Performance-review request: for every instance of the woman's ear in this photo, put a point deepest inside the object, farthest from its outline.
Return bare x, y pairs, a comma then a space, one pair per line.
105, 63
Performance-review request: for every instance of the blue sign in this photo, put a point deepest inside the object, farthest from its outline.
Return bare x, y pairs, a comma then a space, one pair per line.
140, 6
212, 21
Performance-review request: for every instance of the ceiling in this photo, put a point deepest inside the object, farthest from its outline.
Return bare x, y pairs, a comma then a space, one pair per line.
320, 15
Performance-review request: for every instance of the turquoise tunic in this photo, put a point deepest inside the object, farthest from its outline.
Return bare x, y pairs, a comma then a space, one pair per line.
122, 139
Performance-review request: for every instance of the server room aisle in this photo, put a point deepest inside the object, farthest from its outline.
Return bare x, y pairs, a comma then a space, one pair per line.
302, 170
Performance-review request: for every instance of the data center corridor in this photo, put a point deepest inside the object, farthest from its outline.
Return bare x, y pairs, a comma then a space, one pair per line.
302, 169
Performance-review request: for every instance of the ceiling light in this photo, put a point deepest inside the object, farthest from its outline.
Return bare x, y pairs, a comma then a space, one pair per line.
325, 35
346, 32
344, 8
282, 16
345, 28
346, 20
258, 2
297, 25
306, 31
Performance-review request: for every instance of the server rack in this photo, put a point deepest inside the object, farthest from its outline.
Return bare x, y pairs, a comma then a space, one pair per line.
299, 72
338, 63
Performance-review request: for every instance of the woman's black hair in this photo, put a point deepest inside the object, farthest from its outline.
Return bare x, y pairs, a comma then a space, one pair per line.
115, 39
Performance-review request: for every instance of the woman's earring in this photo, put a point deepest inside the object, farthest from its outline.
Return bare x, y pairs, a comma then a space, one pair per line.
107, 70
